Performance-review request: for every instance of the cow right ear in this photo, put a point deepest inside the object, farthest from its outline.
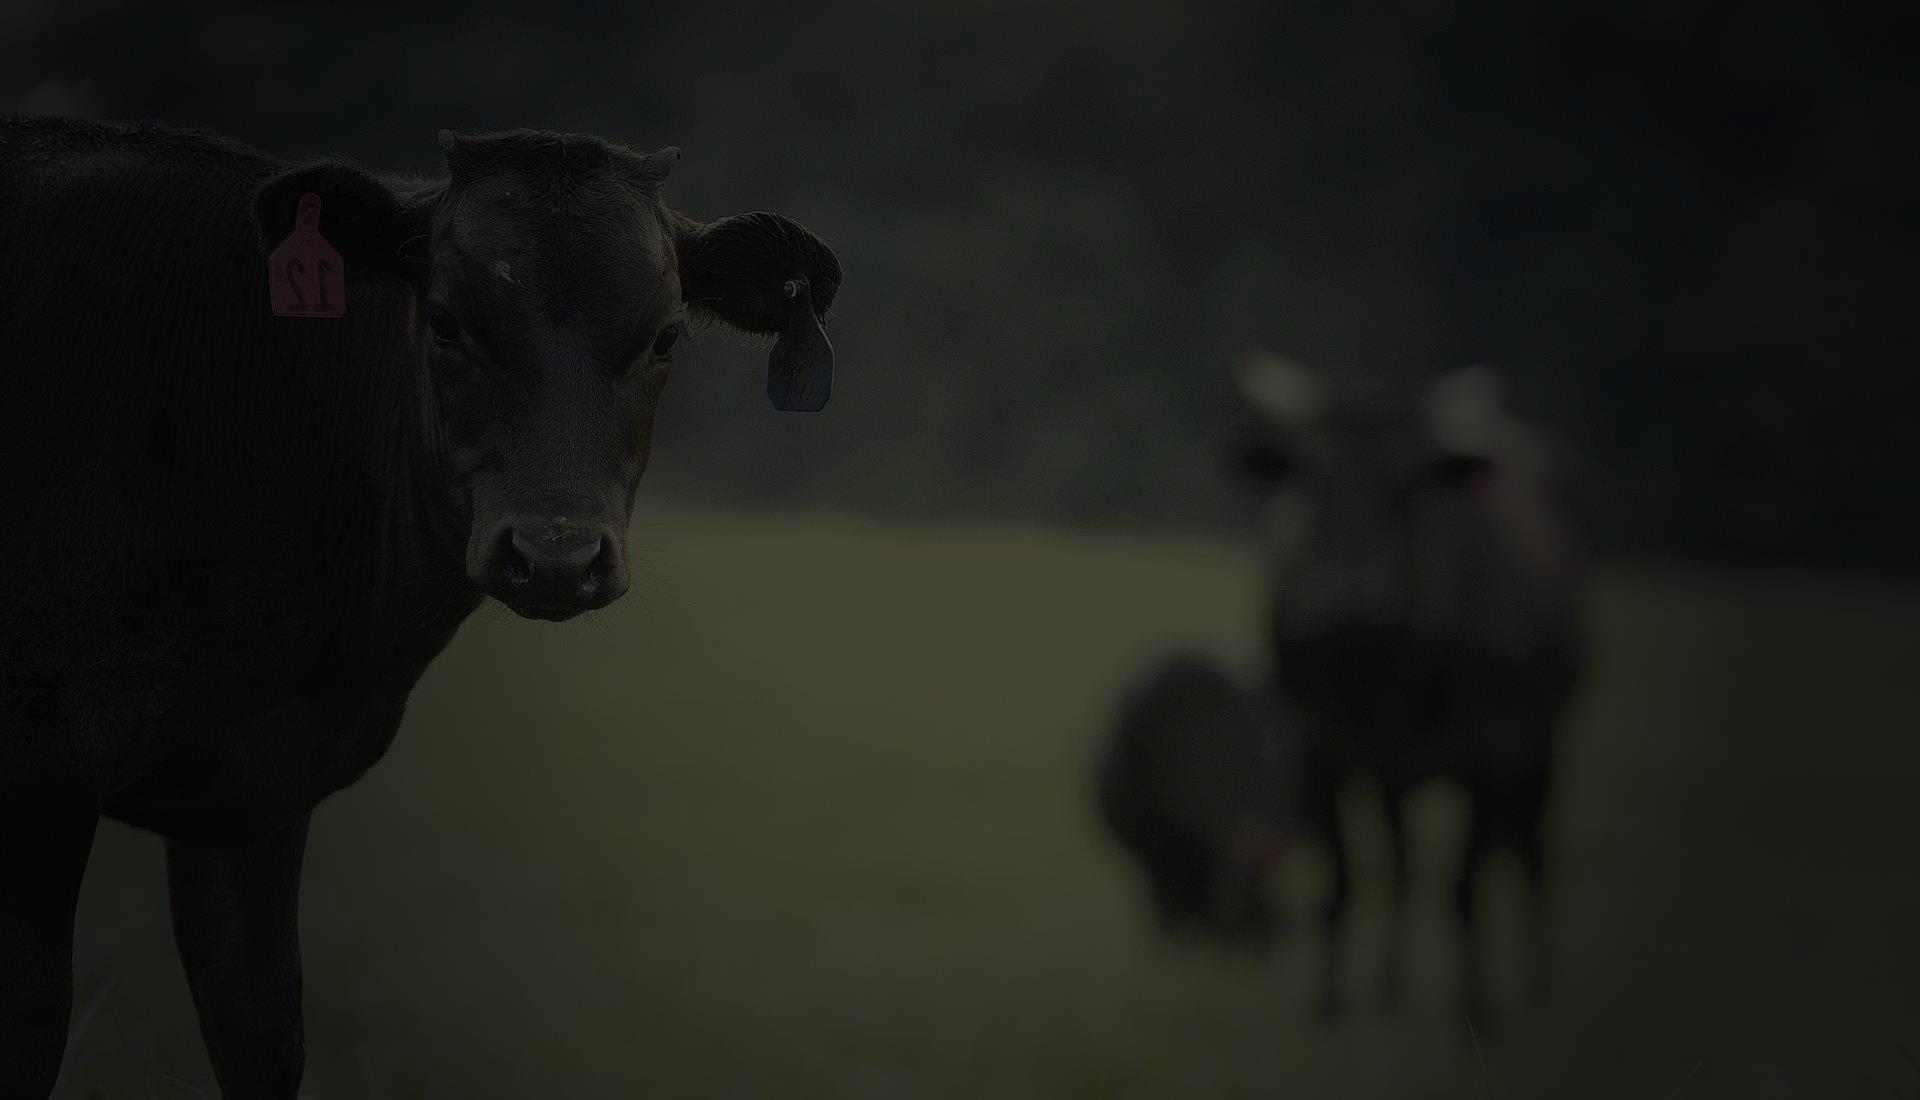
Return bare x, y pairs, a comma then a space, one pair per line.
766, 274
372, 226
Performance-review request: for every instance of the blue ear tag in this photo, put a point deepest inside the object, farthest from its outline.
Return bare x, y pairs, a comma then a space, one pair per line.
800, 367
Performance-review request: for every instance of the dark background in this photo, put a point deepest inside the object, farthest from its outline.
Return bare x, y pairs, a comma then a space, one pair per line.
1685, 229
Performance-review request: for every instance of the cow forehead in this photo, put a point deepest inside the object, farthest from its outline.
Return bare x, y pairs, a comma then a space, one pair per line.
526, 212
571, 249
530, 257
1372, 443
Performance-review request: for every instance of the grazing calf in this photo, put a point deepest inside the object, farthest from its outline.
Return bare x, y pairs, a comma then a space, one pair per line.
238, 538
1198, 781
1424, 619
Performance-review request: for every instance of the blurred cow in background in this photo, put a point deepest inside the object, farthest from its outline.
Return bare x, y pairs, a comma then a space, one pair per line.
1424, 617
1200, 782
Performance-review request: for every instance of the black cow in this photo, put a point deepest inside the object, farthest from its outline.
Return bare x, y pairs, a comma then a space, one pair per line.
1199, 780
1425, 617
237, 539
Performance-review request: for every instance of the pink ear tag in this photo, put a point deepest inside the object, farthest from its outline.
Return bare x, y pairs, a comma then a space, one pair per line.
304, 274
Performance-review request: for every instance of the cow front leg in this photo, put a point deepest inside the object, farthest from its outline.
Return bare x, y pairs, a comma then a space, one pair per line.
46, 832
1323, 816
234, 919
1466, 907
1529, 805
1393, 801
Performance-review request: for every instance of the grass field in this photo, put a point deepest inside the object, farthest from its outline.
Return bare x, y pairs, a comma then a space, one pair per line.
807, 816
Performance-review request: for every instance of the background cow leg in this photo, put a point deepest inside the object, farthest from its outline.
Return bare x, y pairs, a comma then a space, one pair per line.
1466, 890
46, 832
234, 918
1393, 800
1528, 826
1324, 814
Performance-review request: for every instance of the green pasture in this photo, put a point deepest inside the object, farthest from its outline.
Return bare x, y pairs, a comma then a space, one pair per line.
806, 815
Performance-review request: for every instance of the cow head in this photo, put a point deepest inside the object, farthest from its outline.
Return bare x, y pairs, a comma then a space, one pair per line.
1359, 479
553, 289
1215, 887
1202, 781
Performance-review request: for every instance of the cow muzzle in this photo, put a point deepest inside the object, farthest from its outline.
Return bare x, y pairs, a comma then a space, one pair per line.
550, 568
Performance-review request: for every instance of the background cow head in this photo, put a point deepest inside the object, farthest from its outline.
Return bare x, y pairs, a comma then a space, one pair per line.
1360, 478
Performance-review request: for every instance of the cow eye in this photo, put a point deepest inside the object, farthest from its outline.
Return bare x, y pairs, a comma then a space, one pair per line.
446, 327
663, 343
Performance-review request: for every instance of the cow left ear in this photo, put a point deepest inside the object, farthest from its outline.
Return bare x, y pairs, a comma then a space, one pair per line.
372, 226
766, 274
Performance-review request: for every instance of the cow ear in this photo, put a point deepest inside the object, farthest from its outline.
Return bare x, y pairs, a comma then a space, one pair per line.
766, 274
1467, 409
1281, 390
372, 226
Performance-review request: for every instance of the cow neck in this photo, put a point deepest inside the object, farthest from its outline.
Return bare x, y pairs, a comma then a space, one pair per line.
425, 594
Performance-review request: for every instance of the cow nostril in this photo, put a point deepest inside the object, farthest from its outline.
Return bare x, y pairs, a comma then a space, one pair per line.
516, 565
592, 576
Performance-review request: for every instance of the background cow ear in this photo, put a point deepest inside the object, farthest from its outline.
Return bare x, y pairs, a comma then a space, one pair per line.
1467, 409
766, 274
1281, 390
373, 227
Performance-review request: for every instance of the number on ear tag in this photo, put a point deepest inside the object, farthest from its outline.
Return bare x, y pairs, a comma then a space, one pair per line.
304, 274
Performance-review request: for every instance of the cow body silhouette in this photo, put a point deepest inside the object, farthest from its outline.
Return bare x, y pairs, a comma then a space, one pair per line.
1424, 618
240, 538
1198, 780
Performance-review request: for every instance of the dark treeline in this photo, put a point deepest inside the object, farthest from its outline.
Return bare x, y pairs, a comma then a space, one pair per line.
1686, 230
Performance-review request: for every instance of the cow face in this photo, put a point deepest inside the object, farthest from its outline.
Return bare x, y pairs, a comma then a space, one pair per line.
554, 289
1358, 483
1211, 889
